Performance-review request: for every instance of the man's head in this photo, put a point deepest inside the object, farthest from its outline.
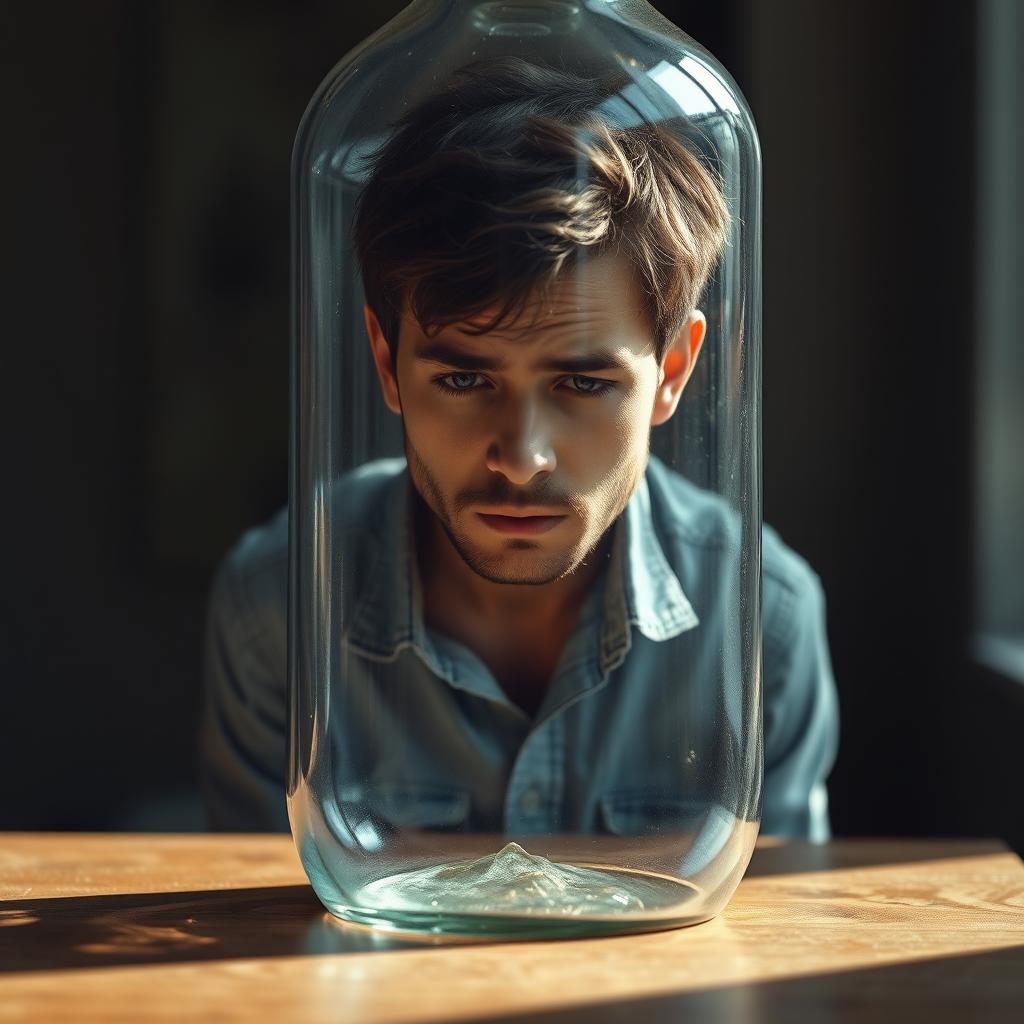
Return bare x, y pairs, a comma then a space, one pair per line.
531, 276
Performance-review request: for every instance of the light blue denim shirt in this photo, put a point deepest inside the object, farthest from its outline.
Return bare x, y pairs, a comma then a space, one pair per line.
632, 732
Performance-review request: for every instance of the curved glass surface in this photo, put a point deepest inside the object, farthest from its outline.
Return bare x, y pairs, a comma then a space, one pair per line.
525, 510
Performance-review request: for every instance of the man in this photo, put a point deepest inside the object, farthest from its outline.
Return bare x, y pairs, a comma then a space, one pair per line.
540, 611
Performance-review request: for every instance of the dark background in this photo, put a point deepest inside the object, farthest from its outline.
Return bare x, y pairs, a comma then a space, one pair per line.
145, 364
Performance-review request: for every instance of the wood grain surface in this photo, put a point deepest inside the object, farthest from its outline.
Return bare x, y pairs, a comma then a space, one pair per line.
143, 928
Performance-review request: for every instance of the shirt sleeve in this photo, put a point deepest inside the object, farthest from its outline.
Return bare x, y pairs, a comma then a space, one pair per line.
243, 726
801, 716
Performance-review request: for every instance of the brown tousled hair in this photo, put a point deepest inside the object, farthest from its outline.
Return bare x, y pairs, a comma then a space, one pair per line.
488, 190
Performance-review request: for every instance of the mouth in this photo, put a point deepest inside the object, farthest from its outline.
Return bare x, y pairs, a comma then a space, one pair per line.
520, 524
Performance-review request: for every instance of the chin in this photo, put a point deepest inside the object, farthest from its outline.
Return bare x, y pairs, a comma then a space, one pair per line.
523, 564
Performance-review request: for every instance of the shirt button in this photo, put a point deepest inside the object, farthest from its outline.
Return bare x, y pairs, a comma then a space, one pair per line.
529, 802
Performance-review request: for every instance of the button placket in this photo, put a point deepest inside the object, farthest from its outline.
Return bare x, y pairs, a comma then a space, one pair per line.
526, 795
531, 801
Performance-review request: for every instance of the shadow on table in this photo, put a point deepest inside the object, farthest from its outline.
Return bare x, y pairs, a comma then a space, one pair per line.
165, 927
985, 987
223, 924
778, 857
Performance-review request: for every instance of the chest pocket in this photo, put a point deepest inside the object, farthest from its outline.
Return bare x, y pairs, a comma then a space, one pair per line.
633, 812
411, 804
708, 827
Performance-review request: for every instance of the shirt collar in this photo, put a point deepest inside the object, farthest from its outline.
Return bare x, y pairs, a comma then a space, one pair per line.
640, 590
389, 615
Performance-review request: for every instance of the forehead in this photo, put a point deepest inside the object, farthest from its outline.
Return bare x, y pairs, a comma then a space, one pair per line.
597, 305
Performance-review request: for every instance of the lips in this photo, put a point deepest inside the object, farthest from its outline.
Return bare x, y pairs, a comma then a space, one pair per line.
520, 524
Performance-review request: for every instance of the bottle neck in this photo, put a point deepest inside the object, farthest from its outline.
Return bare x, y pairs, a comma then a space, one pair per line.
526, 18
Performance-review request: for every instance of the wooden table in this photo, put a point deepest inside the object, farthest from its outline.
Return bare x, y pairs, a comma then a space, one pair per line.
157, 928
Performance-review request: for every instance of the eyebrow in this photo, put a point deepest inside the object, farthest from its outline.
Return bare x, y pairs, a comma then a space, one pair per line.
452, 355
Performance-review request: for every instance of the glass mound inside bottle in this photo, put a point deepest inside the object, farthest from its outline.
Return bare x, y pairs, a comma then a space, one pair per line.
515, 884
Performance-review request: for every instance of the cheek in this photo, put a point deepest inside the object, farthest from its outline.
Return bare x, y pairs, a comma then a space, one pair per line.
447, 446
606, 447
430, 420
632, 423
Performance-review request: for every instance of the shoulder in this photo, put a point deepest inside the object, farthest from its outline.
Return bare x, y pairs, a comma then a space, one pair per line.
253, 576
690, 517
688, 514
792, 594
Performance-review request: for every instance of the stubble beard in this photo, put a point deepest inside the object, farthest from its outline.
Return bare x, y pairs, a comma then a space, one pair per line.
495, 569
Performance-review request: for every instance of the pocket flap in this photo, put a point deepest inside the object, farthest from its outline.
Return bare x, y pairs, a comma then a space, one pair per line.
413, 804
633, 812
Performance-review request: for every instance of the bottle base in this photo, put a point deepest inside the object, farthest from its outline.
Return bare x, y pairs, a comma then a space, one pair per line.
469, 928
514, 894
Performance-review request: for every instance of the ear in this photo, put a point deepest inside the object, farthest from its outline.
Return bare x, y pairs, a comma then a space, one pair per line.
386, 369
677, 365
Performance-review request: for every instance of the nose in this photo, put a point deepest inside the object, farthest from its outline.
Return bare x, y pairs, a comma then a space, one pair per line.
520, 447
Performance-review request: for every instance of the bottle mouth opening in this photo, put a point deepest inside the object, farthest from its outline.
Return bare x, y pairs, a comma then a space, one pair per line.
526, 17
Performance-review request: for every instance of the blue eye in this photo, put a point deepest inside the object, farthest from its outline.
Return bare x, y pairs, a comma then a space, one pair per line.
591, 385
464, 382
459, 384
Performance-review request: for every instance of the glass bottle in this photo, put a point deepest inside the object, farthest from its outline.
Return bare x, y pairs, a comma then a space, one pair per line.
525, 508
